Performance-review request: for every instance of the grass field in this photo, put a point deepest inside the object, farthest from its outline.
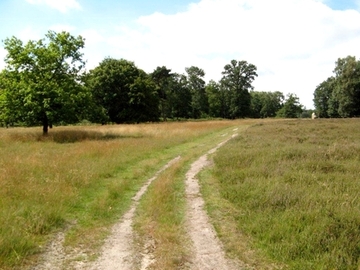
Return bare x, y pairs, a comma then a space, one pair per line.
290, 191
282, 195
81, 179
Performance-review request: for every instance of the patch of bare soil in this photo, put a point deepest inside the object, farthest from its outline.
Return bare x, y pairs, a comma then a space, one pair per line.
208, 252
120, 250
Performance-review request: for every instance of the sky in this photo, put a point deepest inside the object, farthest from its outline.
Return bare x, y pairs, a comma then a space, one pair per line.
293, 43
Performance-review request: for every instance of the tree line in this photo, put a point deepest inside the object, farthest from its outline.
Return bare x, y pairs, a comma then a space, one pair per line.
45, 83
339, 95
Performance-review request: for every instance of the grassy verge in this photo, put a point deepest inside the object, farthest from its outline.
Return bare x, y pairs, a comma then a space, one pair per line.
160, 217
291, 191
79, 178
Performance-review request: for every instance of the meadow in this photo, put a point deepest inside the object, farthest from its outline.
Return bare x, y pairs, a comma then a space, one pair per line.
285, 195
81, 179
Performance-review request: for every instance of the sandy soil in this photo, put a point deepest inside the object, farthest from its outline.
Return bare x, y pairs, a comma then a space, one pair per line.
207, 248
120, 251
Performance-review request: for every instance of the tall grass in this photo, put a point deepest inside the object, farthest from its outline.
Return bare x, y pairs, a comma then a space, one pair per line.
294, 190
160, 215
79, 178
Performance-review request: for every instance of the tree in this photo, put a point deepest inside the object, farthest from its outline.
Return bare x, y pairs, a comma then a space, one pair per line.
43, 81
292, 107
237, 80
179, 97
272, 103
339, 96
322, 98
126, 93
266, 104
162, 79
347, 87
196, 84
143, 100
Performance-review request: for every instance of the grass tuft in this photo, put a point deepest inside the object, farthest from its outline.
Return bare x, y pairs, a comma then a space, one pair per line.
82, 187
294, 185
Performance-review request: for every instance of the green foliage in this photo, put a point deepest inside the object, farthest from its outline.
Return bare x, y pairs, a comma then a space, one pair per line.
237, 79
339, 96
180, 97
196, 85
291, 108
347, 90
266, 104
217, 100
162, 79
42, 81
123, 91
322, 97
84, 186
293, 186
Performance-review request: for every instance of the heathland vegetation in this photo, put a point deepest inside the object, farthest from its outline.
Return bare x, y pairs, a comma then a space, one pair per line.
290, 189
283, 193
81, 179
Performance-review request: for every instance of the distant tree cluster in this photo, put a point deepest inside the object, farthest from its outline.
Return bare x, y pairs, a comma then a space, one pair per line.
45, 83
339, 95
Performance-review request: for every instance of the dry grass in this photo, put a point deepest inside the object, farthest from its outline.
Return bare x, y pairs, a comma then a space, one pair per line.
290, 190
161, 213
82, 177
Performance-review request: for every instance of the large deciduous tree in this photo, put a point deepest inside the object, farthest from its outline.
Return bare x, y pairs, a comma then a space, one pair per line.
347, 88
339, 96
179, 97
162, 78
196, 85
42, 80
266, 104
291, 108
237, 80
322, 98
125, 92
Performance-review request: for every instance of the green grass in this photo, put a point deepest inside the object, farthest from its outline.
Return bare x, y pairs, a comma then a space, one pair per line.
161, 213
282, 195
80, 179
291, 190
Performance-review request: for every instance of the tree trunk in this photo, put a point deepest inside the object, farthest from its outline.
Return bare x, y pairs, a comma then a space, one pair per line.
45, 125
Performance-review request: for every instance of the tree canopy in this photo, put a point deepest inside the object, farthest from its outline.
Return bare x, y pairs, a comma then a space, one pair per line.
45, 83
291, 108
125, 92
42, 81
339, 95
237, 80
196, 85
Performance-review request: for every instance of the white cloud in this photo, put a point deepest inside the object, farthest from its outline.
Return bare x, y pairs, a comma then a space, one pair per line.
29, 33
62, 27
293, 43
60, 5
94, 46
92, 36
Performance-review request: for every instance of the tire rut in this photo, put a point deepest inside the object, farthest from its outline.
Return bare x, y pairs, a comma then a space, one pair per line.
119, 250
208, 252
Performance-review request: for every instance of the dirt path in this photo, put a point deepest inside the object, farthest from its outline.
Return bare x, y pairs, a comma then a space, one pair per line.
120, 252
119, 249
207, 248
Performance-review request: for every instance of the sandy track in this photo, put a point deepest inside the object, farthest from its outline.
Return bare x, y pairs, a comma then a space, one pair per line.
119, 250
207, 248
